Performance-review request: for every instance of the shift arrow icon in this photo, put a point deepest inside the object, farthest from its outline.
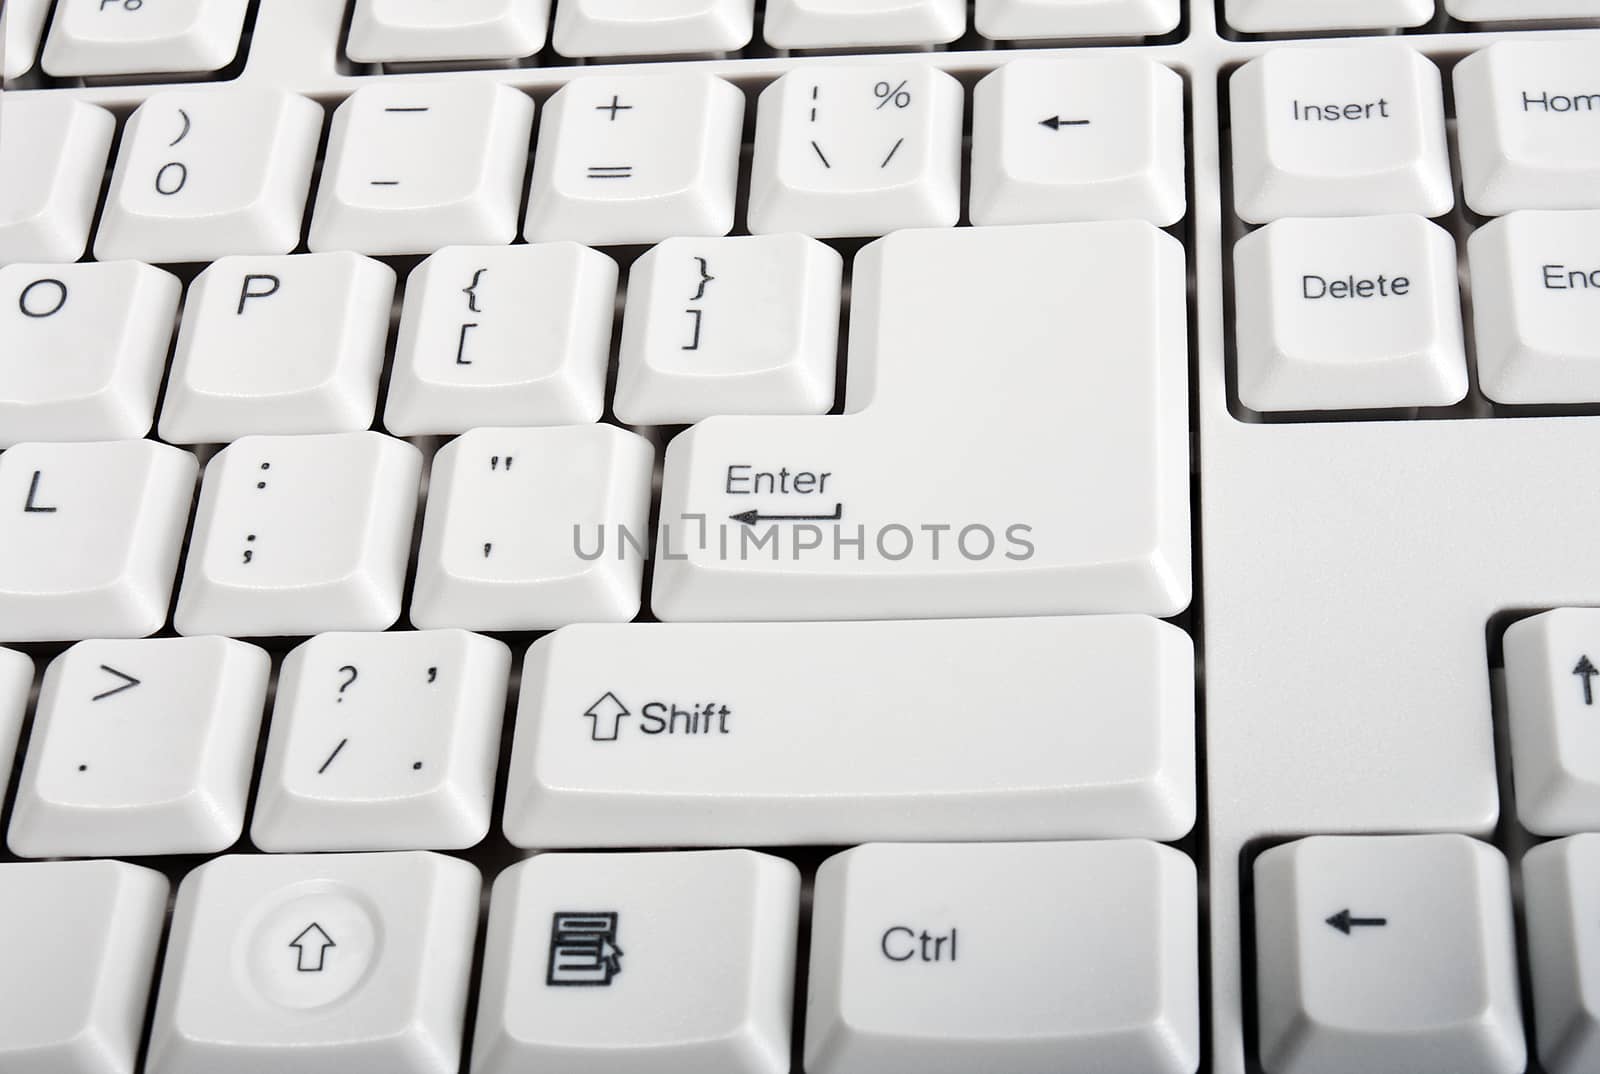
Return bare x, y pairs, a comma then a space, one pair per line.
128, 683
311, 948
606, 714
1587, 671
1345, 923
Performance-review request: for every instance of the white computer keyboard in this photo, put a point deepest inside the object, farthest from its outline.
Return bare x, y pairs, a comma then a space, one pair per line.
843, 536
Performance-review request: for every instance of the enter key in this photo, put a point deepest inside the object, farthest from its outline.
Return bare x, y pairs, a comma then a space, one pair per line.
1015, 442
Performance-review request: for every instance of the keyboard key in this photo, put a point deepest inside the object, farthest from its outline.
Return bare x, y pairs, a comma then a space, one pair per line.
652, 27
730, 734
857, 151
747, 325
1346, 131
415, 166
80, 939
389, 31
517, 335
21, 29
863, 23
53, 153
141, 747
279, 345
1041, 153
1349, 314
1552, 698
530, 529
383, 742
1561, 881
636, 159
1032, 958
1528, 115
1536, 289
86, 346
1066, 491
640, 964
130, 37
89, 538
207, 173
1387, 955
1014, 19
301, 534
1519, 10
1296, 16
318, 964
16, 685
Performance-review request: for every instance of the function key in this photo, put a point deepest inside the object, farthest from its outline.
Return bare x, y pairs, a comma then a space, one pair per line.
1339, 132
22, 25
1520, 10
90, 38
863, 23
586, 28
1292, 16
1005, 20
426, 31
1561, 885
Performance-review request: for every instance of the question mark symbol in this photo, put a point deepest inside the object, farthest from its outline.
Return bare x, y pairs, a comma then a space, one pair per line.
346, 684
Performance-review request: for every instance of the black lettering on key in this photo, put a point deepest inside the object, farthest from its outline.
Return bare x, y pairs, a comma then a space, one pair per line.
36, 307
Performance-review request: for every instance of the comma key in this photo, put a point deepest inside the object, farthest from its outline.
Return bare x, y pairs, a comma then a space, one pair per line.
1015, 442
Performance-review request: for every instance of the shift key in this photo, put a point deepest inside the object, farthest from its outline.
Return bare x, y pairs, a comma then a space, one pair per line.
687, 734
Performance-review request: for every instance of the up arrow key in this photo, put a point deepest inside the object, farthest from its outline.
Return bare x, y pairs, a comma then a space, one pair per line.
606, 717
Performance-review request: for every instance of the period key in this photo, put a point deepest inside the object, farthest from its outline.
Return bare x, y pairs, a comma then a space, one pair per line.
1028, 958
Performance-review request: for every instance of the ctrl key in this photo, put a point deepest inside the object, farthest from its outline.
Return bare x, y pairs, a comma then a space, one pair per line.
1386, 955
1028, 958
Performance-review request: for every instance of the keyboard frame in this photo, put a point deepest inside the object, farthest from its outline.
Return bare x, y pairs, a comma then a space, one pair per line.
1352, 576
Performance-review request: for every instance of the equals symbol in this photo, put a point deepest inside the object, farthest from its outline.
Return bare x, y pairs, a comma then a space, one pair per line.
611, 171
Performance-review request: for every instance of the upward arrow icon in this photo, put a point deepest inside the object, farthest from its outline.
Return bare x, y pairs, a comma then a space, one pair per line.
311, 948
1587, 671
606, 715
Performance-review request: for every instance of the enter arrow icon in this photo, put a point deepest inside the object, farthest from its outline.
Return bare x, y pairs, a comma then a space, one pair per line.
1587, 671
311, 948
1345, 922
128, 683
1055, 123
750, 518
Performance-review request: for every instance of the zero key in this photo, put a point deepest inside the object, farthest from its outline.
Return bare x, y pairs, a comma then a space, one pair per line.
1015, 442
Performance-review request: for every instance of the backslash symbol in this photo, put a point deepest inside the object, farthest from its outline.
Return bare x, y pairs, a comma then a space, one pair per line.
583, 949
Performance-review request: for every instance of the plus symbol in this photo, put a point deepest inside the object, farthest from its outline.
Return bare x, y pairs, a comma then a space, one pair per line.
614, 107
